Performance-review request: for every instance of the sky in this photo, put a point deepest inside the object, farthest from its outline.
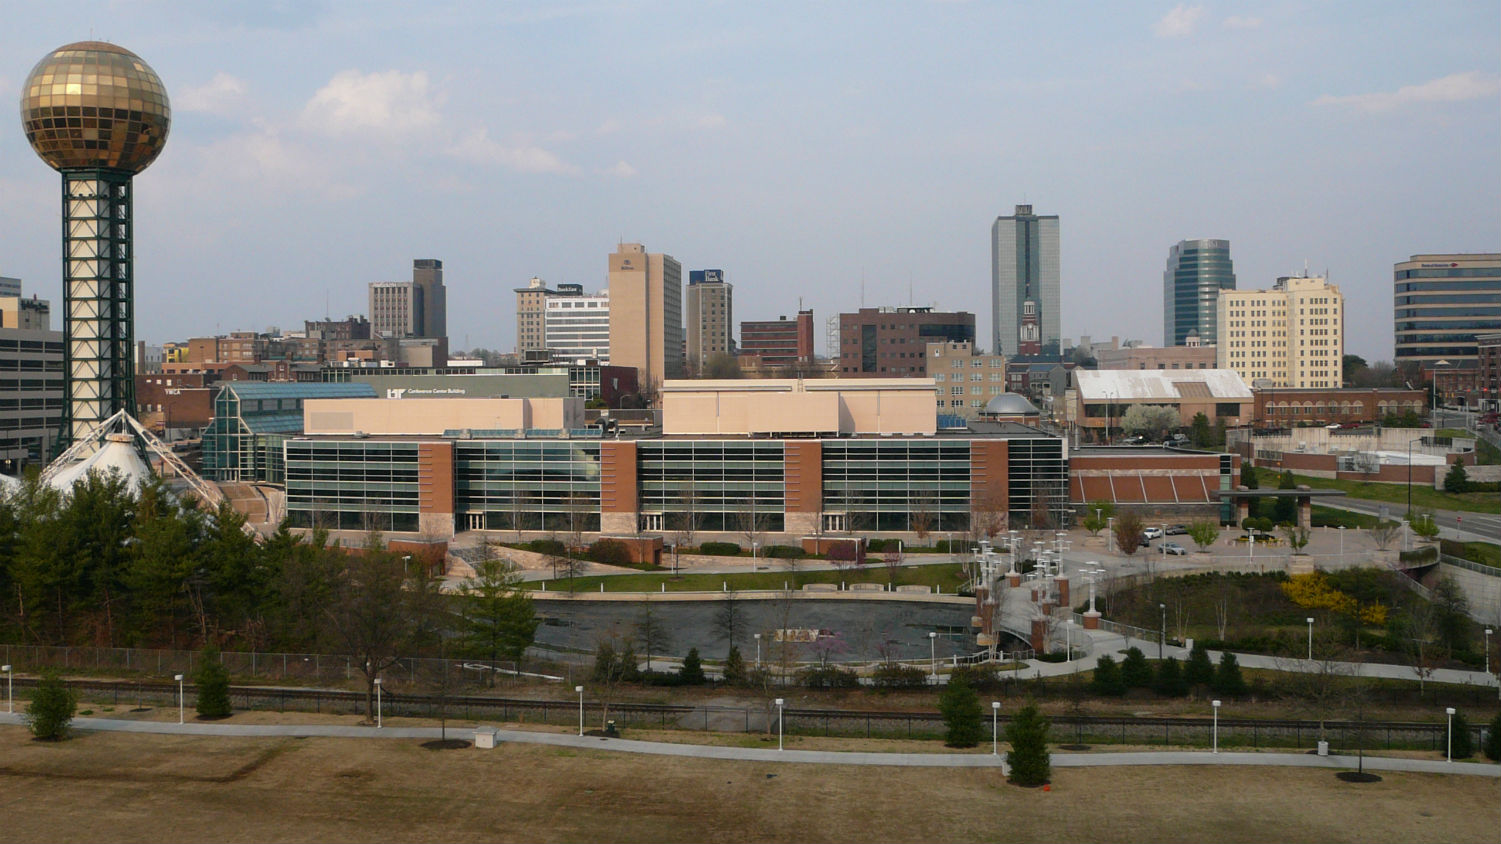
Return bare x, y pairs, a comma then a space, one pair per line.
821, 154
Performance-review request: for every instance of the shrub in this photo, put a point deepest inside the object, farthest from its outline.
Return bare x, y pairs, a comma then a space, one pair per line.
1457, 480
1199, 671
963, 719
894, 675
629, 666
610, 552
1423, 525
692, 672
551, 547
1107, 680
1028, 758
1170, 682
1419, 555
719, 549
1463, 746
1492, 746
1135, 672
981, 678
1227, 677
877, 546
828, 677
605, 662
734, 667
212, 681
782, 552
50, 713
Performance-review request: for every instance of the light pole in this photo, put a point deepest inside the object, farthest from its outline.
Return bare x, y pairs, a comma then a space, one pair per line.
1216, 725
995, 723
1310, 638
1162, 636
1487, 652
1068, 641
378, 722
178, 678
758, 650
780, 701
1341, 543
10, 694
406, 563
933, 654
580, 690
1449, 751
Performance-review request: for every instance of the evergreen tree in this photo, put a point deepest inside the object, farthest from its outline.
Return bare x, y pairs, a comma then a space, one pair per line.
499, 619
1463, 746
1028, 759
1227, 678
1199, 671
630, 667
212, 681
605, 662
692, 672
1457, 480
962, 717
1136, 673
734, 667
1170, 682
1492, 746
1107, 680
50, 712
1285, 511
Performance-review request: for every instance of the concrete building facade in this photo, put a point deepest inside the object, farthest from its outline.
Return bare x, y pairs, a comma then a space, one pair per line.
1025, 284
577, 327
778, 342
709, 317
31, 397
646, 313
1197, 270
1100, 398
416, 308
1156, 357
1289, 336
1442, 303
964, 382
893, 342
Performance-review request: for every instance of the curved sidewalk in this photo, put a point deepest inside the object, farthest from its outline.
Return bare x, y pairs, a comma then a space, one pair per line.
815, 757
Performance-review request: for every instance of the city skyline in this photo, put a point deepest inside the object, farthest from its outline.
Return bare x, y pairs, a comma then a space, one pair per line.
1141, 126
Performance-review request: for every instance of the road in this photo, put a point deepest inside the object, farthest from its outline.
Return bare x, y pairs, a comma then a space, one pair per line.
1452, 524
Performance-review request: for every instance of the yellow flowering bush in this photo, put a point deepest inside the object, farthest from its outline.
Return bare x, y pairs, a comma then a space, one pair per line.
1313, 591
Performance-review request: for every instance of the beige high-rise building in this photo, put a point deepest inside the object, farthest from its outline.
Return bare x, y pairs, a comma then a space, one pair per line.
1289, 336
646, 314
709, 317
531, 315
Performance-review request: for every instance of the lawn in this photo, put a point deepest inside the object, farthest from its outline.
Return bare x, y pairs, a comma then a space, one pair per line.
1334, 517
1423, 496
949, 577
1485, 453
124, 787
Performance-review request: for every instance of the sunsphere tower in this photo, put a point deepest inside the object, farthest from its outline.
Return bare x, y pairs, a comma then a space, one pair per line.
97, 114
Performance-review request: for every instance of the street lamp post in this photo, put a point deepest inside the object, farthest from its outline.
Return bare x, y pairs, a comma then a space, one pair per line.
580, 690
780, 701
1449, 751
178, 678
1487, 652
10, 693
1310, 638
1162, 636
378, 722
1110, 534
933, 654
1342, 544
758, 650
995, 723
1216, 725
1068, 642
406, 563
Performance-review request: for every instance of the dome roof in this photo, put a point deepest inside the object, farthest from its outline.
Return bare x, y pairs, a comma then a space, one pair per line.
93, 104
1010, 404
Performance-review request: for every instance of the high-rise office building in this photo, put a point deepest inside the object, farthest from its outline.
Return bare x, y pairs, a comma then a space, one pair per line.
1025, 288
416, 308
578, 326
1442, 303
1289, 336
531, 312
893, 342
709, 317
779, 342
1197, 270
646, 313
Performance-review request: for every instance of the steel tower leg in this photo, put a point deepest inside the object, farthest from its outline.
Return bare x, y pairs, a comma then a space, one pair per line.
98, 300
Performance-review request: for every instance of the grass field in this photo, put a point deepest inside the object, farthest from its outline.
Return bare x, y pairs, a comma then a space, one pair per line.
945, 575
1485, 453
123, 787
1423, 496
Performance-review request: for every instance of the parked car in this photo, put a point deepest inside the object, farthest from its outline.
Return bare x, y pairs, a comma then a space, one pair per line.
1173, 548
1177, 530
1152, 533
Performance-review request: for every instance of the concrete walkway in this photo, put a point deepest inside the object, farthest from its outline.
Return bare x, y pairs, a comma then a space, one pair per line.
813, 757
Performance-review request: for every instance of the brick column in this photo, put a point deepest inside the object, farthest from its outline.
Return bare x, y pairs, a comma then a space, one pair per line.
619, 501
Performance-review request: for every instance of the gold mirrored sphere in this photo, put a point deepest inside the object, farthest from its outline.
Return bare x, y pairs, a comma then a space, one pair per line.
93, 104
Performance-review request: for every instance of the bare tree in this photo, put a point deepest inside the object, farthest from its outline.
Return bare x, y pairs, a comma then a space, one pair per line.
924, 514
1384, 533
652, 632
988, 512
370, 617
685, 520
751, 522
728, 620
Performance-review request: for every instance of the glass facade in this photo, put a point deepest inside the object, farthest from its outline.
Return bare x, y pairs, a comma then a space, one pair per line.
1197, 270
729, 485
252, 419
352, 485
888, 485
1442, 302
523, 485
1037, 479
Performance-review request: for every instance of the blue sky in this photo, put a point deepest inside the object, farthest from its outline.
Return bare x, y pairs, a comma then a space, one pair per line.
803, 148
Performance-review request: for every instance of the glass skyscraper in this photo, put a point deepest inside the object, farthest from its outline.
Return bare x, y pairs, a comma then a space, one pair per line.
1024, 283
1197, 270
1442, 302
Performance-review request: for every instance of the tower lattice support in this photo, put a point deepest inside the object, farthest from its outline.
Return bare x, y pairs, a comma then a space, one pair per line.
98, 300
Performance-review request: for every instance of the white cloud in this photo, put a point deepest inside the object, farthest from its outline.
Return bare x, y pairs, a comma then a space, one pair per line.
622, 170
1265, 82
1456, 87
1181, 21
1242, 22
384, 103
219, 96
477, 146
